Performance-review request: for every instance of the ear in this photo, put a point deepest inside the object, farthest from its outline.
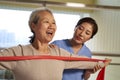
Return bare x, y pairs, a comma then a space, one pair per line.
33, 26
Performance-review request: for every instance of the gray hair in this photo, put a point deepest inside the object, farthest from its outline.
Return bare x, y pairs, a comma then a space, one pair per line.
34, 17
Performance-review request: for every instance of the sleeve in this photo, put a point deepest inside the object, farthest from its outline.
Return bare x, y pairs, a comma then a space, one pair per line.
81, 64
78, 64
9, 52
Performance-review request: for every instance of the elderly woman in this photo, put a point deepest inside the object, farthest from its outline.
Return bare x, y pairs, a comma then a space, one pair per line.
43, 27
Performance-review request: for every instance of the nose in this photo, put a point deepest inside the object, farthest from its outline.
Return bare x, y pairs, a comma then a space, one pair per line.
82, 33
52, 26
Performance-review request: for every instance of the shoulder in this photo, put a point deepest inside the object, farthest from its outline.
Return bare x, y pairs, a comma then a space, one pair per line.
26, 49
15, 50
86, 51
86, 48
59, 52
58, 41
61, 43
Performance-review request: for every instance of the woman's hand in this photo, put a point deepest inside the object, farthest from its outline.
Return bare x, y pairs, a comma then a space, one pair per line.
98, 66
107, 61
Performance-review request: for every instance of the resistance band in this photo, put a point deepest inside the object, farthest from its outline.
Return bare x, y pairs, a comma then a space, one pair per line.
17, 58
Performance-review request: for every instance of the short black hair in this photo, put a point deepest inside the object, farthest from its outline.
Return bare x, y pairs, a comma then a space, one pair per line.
91, 21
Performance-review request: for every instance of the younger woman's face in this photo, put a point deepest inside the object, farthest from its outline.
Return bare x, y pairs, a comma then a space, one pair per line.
83, 33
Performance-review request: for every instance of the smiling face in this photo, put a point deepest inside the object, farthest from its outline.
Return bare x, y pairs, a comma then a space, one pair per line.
82, 33
45, 28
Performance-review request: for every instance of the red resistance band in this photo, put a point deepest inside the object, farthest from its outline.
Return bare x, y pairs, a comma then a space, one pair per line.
17, 58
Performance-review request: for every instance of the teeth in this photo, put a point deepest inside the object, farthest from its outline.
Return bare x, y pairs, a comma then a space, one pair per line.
49, 33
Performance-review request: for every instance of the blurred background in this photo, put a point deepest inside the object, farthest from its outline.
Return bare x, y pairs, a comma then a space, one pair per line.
14, 29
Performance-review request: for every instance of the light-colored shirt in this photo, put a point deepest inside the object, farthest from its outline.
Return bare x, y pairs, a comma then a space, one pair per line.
44, 69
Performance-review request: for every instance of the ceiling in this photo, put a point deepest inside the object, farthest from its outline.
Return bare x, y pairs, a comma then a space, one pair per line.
89, 5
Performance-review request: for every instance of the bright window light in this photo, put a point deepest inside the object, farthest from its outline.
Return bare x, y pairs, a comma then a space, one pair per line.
14, 27
75, 4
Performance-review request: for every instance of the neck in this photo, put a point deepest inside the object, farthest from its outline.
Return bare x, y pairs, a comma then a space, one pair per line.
41, 47
74, 44
76, 47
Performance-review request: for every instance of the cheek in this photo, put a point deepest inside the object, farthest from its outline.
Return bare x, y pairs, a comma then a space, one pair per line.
76, 31
87, 38
41, 27
55, 29
39, 30
75, 34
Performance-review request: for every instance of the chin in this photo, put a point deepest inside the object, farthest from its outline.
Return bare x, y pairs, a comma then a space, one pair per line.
78, 42
49, 40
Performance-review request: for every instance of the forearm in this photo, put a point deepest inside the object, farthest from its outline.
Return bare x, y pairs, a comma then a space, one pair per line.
82, 64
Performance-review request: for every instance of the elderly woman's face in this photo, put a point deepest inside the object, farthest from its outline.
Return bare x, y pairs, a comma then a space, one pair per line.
45, 28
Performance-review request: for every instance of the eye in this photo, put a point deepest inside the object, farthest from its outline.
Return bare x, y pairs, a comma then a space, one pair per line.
88, 33
53, 23
81, 28
46, 21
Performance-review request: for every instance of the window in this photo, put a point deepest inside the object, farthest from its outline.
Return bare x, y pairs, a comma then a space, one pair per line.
14, 27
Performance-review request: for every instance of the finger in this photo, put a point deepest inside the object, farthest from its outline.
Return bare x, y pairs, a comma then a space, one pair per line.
97, 67
107, 61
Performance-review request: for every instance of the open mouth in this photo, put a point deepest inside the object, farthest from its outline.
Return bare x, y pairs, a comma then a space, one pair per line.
50, 33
